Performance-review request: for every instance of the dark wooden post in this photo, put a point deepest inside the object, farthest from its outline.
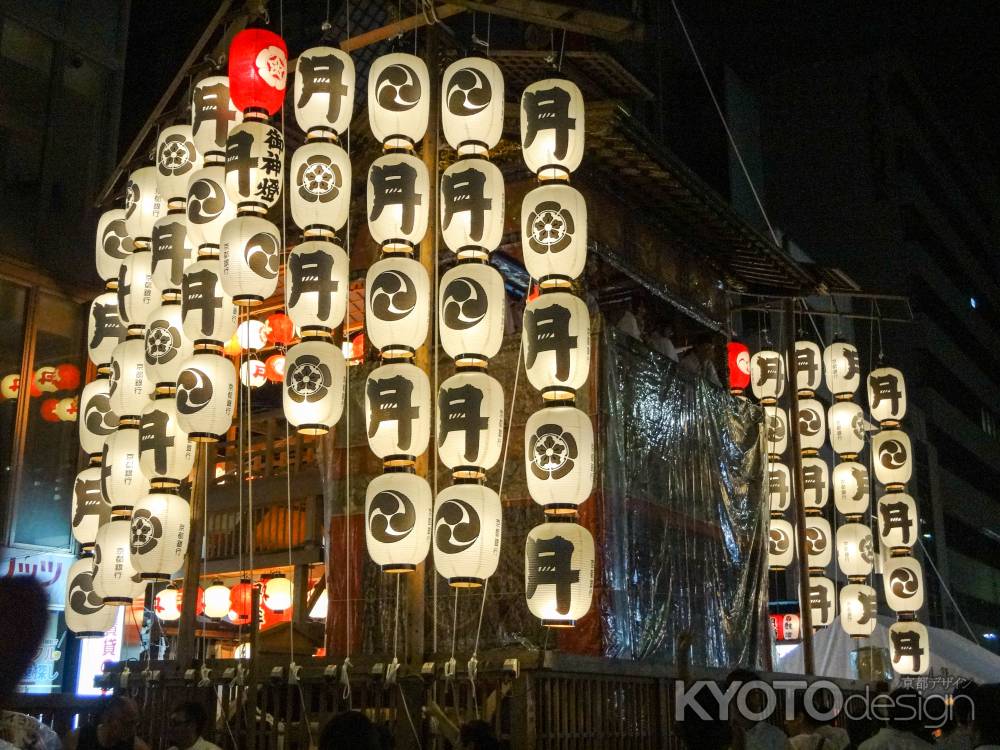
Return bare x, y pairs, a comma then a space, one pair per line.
188, 625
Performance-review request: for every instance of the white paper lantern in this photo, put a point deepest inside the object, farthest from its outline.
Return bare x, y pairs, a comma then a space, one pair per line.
556, 340
472, 207
90, 509
903, 584
468, 521
317, 285
113, 243
559, 573
105, 329
397, 412
779, 487
559, 458
143, 204
250, 335
176, 160
809, 368
815, 482
855, 550
887, 396
812, 425
470, 410
98, 420
10, 385
250, 255
822, 600
86, 614
172, 251
858, 609
819, 542
780, 544
893, 456
206, 396
775, 430
314, 386
212, 114
323, 91
165, 452
252, 373
552, 128
898, 521
398, 201
122, 479
208, 206
255, 164
277, 593
909, 648
851, 488
320, 186
208, 313
167, 604
137, 294
471, 311
397, 305
554, 233
161, 523
767, 376
846, 422
472, 104
842, 369
399, 511
398, 99
116, 581
217, 601
165, 345
129, 387
44, 379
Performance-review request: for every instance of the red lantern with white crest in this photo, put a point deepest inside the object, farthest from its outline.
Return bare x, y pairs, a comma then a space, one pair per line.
258, 70
739, 367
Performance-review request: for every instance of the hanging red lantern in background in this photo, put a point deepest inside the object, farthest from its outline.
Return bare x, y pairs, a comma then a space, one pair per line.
739, 366
258, 70
274, 368
67, 377
48, 410
279, 329
241, 602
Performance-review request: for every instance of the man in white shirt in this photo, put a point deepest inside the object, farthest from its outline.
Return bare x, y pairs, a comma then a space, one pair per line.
185, 726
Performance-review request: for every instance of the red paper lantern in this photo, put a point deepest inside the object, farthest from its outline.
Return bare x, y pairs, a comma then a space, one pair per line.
33, 390
274, 368
199, 608
241, 602
739, 366
258, 70
49, 410
279, 329
67, 377
358, 348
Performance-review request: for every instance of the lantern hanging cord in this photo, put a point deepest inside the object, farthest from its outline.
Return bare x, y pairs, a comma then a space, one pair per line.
437, 360
395, 624
430, 13
812, 320
454, 623
347, 434
725, 124
562, 51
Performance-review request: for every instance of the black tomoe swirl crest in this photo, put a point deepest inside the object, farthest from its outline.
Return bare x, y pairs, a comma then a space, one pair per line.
468, 92
456, 526
465, 303
194, 390
392, 296
398, 88
391, 516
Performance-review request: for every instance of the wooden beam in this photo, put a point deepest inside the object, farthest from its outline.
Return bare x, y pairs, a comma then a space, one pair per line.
446, 10
188, 623
561, 16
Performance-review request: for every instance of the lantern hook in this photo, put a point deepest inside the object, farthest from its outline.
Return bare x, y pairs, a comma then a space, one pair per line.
449, 668
391, 671
473, 668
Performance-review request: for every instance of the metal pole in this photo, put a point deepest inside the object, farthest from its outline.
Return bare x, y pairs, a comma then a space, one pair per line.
188, 625
801, 558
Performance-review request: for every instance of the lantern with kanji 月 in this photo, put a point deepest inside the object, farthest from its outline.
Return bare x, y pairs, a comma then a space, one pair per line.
212, 115
903, 584
320, 187
255, 164
399, 99
258, 71
217, 600
812, 426
167, 604
471, 307
166, 454
165, 344
398, 198
176, 160
113, 243
129, 387
554, 233
315, 377
316, 285
552, 128
775, 430
909, 648
98, 420
277, 592
208, 208
90, 509
559, 573
780, 544
397, 412
470, 410
143, 204
161, 523
846, 422
209, 314
122, 481
858, 608
556, 340
842, 369
893, 454
241, 602
809, 368
323, 91
559, 458
398, 513
738, 355
819, 542
472, 104
822, 600
116, 581
887, 396
274, 368
105, 329
851, 488
250, 255
87, 616
815, 482
206, 396
252, 373
136, 292
397, 305
767, 376
779, 486
855, 550
468, 520
898, 521
472, 207
172, 251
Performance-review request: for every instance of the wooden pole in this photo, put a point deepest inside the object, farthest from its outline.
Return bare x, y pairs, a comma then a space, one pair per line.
798, 495
188, 625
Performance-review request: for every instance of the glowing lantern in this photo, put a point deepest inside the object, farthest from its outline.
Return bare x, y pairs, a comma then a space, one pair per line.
559, 458
815, 482
206, 396
739, 366
176, 159
217, 600
468, 521
324, 90
398, 512
554, 233
397, 412
398, 196
279, 329
767, 376
208, 208
252, 373
171, 252
559, 573
851, 488
67, 377
812, 425
470, 423
779, 487
316, 285
255, 163
819, 542
258, 71
322, 605
122, 480
66, 409
104, 328
822, 600
251, 257
472, 304
113, 243
842, 369
167, 604
136, 292
212, 115
320, 187
143, 205
44, 379
242, 651
855, 551
86, 614
277, 593
898, 522
48, 410
887, 396
166, 455
251, 335
166, 347
241, 602
903, 584
98, 420
274, 368
232, 347
786, 627
315, 377
893, 458
780, 544
846, 421
472, 104
556, 340
209, 314
397, 305
472, 207
775, 430
90, 509
398, 99
115, 580
809, 368
10, 385
129, 387
909, 648
161, 523
552, 128
858, 607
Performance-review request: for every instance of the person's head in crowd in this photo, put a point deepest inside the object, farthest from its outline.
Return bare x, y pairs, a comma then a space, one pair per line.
478, 735
119, 720
186, 723
20, 636
703, 347
350, 730
986, 723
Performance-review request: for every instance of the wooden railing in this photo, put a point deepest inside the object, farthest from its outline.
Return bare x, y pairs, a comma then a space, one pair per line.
61, 711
